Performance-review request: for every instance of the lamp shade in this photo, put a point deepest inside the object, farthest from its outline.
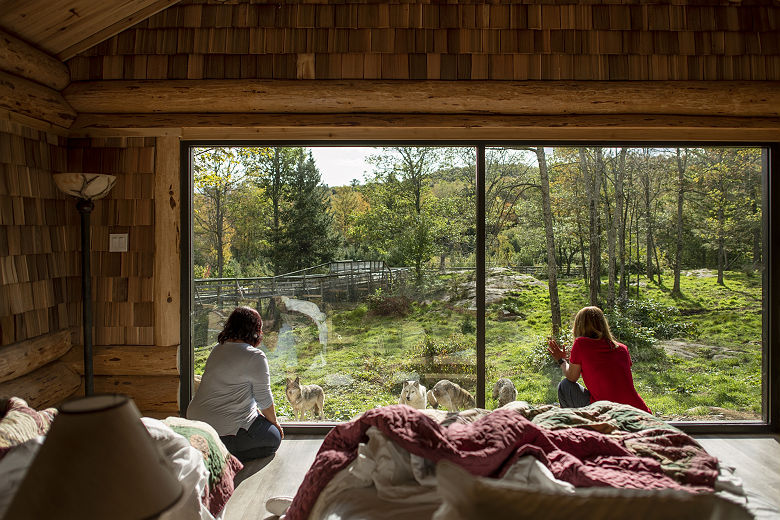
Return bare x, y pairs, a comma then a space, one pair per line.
98, 461
87, 186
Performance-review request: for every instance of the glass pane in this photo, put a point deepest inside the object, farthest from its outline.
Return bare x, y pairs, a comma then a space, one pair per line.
668, 242
360, 260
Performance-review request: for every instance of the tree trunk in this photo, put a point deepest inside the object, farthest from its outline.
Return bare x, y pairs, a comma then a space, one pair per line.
582, 257
649, 231
611, 246
681, 163
552, 268
592, 184
721, 244
620, 223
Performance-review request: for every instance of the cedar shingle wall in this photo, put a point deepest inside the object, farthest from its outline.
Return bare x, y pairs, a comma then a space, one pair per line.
393, 40
123, 283
40, 284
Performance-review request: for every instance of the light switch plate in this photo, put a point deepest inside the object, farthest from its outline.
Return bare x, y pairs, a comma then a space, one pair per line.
117, 242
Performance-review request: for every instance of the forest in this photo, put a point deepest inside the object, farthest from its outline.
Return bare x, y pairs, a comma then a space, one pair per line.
667, 240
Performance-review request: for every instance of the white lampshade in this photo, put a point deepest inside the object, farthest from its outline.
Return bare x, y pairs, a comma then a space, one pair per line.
87, 186
98, 461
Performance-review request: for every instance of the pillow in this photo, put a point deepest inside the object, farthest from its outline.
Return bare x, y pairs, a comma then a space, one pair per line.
220, 463
466, 497
20, 423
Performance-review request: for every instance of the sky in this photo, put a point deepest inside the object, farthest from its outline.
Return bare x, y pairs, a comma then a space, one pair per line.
338, 165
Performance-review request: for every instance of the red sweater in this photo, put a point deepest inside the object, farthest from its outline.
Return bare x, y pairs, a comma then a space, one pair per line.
606, 371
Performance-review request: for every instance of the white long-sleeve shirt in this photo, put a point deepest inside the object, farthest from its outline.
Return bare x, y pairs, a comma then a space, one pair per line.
235, 383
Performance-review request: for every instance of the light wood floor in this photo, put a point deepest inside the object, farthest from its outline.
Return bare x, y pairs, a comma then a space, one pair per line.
756, 457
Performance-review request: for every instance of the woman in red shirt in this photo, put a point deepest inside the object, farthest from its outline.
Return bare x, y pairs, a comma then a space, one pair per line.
604, 364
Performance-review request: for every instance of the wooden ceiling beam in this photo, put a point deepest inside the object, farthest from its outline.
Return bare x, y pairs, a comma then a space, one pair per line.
334, 127
22, 59
724, 98
33, 100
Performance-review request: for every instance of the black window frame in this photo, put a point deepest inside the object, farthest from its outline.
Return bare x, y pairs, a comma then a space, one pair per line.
770, 277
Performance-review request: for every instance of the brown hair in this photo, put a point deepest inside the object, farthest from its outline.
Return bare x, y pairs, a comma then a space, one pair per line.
244, 324
590, 322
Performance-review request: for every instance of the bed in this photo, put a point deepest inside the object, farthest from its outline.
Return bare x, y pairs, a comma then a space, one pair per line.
193, 450
602, 461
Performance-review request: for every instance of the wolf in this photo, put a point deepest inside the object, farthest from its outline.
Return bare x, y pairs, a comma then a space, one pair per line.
504, 390
452, 396
432, 399
305, 398
414, 394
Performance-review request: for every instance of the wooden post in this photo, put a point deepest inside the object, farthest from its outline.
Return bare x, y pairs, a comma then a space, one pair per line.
166, 243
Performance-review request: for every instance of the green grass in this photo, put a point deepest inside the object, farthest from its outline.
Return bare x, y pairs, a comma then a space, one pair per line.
368, 357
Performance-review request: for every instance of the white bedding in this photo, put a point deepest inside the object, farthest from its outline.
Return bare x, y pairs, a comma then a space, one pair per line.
386, 482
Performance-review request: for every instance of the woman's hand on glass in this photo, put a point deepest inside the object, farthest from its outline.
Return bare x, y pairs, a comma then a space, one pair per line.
555, 349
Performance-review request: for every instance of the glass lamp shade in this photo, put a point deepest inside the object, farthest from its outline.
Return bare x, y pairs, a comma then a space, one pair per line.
98, 461
87, 186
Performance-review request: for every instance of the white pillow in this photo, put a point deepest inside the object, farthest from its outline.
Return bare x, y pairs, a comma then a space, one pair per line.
466, 497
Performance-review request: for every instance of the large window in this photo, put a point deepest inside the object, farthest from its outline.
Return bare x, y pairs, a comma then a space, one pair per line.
363, 262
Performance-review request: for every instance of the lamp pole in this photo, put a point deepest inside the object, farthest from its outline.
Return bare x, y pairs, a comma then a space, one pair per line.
85, 208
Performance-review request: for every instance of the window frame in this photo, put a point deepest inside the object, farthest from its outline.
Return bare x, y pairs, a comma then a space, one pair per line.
770, 422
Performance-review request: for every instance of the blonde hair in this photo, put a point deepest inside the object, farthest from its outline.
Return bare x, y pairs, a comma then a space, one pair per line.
590, 322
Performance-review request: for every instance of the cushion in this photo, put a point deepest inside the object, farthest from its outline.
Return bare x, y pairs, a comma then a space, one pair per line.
220, 463
20, 423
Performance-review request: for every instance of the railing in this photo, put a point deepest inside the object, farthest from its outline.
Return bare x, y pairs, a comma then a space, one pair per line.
333, 281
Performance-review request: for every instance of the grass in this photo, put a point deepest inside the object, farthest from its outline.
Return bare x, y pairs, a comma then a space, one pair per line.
368, 356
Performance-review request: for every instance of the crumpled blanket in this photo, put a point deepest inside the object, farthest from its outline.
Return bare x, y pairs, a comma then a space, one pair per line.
490, 445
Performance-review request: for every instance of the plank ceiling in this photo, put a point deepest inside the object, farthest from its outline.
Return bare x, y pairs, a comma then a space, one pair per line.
63, 28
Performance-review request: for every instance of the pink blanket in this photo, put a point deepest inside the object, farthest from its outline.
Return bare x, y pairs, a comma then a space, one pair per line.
489, 446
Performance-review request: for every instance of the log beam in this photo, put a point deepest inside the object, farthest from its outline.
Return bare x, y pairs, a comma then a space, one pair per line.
166, 242
701, 98
34, 100
127, 360
27, 356
47, 386
151, 393
426, 127
19, 58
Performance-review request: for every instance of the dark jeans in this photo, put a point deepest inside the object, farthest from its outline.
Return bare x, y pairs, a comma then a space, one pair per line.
262, 439
572, 395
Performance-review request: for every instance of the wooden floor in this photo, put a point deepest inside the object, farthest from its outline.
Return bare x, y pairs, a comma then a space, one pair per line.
756, 457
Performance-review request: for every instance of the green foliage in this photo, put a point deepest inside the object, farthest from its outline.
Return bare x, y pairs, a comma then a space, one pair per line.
383, 304
467, 325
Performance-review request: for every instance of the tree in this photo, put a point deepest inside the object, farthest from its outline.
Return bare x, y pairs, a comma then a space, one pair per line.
271, 171
307, 237
218, 174
681, 162
552, 270
404, 222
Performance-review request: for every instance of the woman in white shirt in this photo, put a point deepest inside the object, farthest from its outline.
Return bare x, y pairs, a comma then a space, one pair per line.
234, 395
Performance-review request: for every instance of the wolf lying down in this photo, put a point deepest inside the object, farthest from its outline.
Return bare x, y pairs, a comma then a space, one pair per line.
451, 395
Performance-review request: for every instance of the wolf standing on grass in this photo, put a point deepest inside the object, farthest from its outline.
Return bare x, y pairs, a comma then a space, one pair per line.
305, 398
234, 395
413, 394
452, 396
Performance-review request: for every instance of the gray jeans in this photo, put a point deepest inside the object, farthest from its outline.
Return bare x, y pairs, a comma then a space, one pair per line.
572, 395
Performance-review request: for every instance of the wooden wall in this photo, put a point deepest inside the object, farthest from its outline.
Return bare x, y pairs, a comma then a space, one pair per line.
127, 358
40, 287
354, 39
40, 282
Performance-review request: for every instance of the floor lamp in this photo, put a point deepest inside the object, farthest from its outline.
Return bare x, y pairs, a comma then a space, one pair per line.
87, 187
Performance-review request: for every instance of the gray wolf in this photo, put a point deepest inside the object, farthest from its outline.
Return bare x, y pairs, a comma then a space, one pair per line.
432, 399
413, 394
504, 390
304, 398
451, 396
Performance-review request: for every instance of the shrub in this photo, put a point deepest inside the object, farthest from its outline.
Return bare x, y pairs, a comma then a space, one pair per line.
382, 304
467, 325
